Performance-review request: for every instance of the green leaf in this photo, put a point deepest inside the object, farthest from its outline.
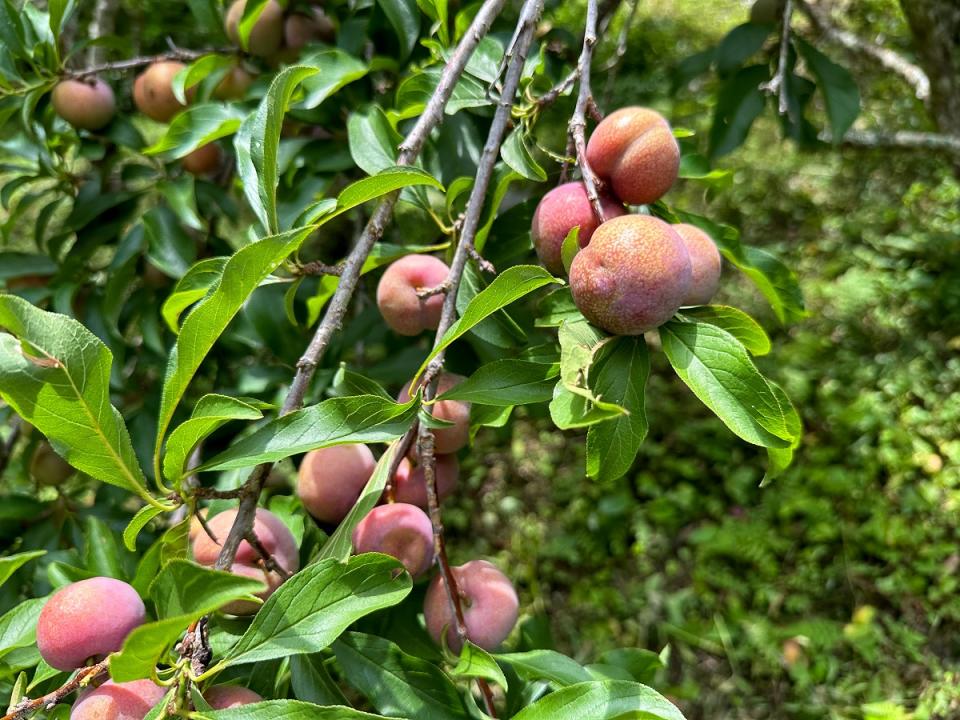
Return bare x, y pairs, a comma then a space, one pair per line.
404, 16
265, 147
139, 521
437, 11
509, 286
18, 627
396, 683
736, 322
738, 45
642, 665
311, 681
602, 700
241, 275
336, 421
313, 608
416, 90
739, 102
56, 375
289, 710
197, 126
517, 155
382, 183
373, 141
621, 378
505, 383
196, 72
183, 592
335, 69
197, 282
546, 665
10, 564
779, 459
101, 553
211, 412
475, 662
570, 247
840, 92
717, 368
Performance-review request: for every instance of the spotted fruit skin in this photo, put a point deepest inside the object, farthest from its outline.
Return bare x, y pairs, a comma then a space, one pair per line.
705, 264
633, 276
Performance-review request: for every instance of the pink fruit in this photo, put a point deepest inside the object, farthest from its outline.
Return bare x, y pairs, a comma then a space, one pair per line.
448, 439
118, 701
402, 309
221, 697
400, 530
331, 479
705, 264
410, 484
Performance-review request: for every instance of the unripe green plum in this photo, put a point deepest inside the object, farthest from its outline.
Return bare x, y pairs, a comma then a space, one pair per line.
48, 468
153, 91
633, 276
205, 160
87, 104
221, 697
400, 530
489, 602
562, 209
403, 311
330, 480
705, 264
234, 84
633, 149
410, 484
276, 539
118, 701
447, 439
87, 619
267, 33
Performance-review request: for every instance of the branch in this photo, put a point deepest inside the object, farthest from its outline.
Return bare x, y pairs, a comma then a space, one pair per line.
84, 677
893, 61
471, 222
778, 83
101, 25
903, 139
132, 63
578, 121
315, 267
614, 64
432, 116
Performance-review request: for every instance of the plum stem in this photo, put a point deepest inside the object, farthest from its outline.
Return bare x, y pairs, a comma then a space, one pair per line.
777, 85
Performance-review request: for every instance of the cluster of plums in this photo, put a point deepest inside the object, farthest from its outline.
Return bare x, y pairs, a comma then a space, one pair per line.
86, 621
88, 103
633, 272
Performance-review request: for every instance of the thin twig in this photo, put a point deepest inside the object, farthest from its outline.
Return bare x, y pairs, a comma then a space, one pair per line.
613, 66
269, 562
491, 151
777, 85
315, 267
432, 116
903, 139
101, 25
427, 293
84, 677
578, 121
554, 93
132, 63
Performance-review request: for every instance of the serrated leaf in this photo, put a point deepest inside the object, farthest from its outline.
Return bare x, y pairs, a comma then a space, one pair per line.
546, 665
506, 383
193, 286
475, 662
197, 126
736, 322
196, 72
602, 700
289, 710
373, 141
516, 154
335, 69
139, 521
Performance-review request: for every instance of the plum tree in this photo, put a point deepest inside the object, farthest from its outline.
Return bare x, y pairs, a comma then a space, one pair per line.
705, 264
234, 84
275, 538
221, 697
398, 529
403, 310
118, 701
87, 104
490, 606
205, 160
447, 439
153, 91
48, 468
562, 209
633, 149
330, 480
87, 619
633, 276
267, 32
410, 484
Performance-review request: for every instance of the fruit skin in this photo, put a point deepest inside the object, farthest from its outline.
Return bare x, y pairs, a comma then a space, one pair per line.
221, 697
633, 276
489, 602
633, 149
300, 29
560, 210
118, 701
705, 264
87, 619
204, 160
267, 33
400, 530
48, 468
275, 537
447, 439
234, 84
410, 485
330, 480
153, 91
404, 312
86, 104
